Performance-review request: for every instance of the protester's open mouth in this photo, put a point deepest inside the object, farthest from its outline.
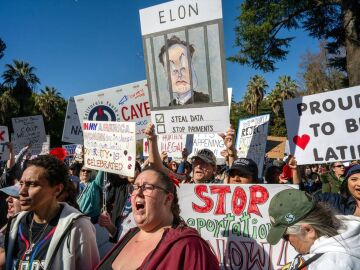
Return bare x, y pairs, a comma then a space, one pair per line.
139, 206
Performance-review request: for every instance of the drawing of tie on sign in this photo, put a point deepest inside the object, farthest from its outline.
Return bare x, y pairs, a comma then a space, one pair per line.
185, 65
324, 127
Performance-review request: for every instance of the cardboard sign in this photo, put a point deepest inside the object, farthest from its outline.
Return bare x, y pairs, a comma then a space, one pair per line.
251, 139
212, 142
72, 132
124, 103
110, 146
324, 127
235, 222
70, 149
172, 144
4, 138
42, 148
29, 129
185, 66
275, 147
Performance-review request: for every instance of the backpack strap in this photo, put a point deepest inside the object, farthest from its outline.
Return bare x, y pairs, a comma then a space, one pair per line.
309, 261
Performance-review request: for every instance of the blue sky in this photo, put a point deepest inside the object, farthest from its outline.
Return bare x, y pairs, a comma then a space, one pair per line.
80, 46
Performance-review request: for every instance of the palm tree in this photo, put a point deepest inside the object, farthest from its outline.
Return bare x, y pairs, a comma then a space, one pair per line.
285, 88
49, 102
20, 77
256, 89
248, 103
9, 107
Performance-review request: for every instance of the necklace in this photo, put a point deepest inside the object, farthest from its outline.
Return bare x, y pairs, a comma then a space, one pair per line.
37, 237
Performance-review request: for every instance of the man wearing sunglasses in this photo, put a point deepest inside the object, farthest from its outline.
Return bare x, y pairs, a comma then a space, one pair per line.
89, 199
331, 181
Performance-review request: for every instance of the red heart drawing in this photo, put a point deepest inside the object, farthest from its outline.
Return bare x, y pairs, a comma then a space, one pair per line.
301, 141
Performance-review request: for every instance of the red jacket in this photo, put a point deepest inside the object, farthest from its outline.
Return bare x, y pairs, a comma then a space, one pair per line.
179, 248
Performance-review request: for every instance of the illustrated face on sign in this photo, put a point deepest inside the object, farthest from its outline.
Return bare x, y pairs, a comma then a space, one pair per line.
179, 68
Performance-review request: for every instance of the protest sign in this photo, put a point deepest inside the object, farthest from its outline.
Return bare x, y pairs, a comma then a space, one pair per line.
72, 132
124, 103
172, 144
39, 148
110, 146
185, 66
234, 220
251, 139
324, 127
4, 139
70, 149
212, 142
275, 147
29, 129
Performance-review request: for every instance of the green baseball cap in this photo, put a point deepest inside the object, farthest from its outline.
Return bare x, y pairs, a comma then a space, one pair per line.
287, 208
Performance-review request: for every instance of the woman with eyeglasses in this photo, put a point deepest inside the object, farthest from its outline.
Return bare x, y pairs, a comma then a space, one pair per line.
331, 181
322, 239
89, 199
161, 239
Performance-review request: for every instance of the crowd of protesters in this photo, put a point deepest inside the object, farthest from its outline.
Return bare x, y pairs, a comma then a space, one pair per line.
52, 208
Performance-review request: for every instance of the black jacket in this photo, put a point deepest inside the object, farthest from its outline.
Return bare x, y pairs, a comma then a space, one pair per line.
341, 204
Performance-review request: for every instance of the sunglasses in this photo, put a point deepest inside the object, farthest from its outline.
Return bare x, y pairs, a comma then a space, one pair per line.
89, 171
339, 166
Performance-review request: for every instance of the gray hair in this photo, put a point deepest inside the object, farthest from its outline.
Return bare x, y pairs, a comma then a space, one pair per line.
322, 219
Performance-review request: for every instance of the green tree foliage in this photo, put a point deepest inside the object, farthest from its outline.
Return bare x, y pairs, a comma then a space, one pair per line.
254, 94
317, 75
2, 48
285, 88
9, 107
21, 79
261, 24
53, 107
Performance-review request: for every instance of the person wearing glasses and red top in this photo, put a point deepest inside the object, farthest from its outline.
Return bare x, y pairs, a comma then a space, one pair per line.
161, 239
89, 199
331, 181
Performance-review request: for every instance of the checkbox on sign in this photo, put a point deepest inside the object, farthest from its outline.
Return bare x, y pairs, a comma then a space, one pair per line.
160, 129
159, 118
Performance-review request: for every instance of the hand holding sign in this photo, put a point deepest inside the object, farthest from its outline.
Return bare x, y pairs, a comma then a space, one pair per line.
150, 132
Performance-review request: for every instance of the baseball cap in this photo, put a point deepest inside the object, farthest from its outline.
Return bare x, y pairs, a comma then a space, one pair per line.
352, 170
246, 166
12, 191
205, 155
286, 208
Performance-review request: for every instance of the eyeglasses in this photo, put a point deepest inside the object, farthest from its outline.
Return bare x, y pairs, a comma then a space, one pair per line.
339, 166
89, 171
146, 189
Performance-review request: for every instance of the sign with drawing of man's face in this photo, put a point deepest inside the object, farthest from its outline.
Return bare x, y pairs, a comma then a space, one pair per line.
185, 66
179, 64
